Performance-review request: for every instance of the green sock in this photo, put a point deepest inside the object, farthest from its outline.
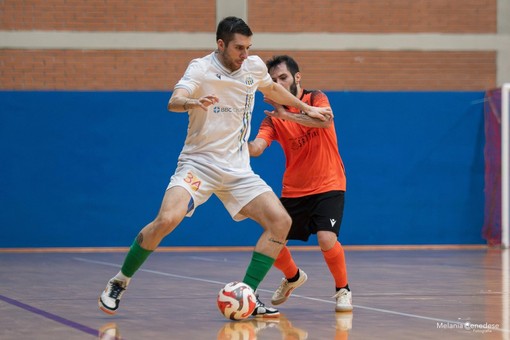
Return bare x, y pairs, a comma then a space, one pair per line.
134, 259
257, 269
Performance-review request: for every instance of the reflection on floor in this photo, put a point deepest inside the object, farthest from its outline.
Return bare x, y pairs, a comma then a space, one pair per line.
397, 294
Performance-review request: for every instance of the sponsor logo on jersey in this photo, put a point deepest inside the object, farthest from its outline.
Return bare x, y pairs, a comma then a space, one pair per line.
222, 109
301, 141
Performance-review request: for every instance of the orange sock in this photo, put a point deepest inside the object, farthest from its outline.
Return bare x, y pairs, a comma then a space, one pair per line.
286, 264
335, 259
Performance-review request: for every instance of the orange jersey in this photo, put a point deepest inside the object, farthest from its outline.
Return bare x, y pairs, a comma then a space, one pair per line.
313, 163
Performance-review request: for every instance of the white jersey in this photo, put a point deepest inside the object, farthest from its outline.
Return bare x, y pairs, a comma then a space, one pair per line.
219, 135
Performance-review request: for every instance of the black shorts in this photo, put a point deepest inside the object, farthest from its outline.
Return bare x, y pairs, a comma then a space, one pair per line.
312, 213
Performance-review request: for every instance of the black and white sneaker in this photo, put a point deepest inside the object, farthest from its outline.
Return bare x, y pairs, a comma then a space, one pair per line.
262, 311
110, 297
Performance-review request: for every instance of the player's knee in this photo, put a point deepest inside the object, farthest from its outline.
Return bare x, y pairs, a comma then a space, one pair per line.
287, 221
165, 223
326, 239
283, 226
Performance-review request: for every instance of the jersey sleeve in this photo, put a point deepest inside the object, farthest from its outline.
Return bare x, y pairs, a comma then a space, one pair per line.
319, 99
192, 77
259, 70
267, 131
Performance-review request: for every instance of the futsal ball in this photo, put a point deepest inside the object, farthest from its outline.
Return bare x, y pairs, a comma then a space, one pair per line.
236, 301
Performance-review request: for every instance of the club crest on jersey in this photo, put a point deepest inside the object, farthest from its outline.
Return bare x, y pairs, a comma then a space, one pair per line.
249, 80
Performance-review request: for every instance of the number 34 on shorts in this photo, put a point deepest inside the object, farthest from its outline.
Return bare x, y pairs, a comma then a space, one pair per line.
193, 181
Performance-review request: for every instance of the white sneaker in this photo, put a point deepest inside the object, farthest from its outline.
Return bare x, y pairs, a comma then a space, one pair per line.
343, 300
110, 297
285, 289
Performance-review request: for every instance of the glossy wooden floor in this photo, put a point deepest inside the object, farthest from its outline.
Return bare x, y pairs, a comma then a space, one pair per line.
397, 294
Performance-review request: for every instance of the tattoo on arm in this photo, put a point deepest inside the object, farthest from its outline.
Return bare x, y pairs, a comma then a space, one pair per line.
276, 241
306, 120
139, 239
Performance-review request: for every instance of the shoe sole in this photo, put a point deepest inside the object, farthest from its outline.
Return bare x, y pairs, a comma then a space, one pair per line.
289, 293
343, 309
267, 316
104, 309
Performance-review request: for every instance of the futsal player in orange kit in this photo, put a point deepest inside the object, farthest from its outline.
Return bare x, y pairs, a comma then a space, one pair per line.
314, 181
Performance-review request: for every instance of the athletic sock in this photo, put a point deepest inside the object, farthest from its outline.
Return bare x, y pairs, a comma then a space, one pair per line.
344, 287
294, 278
335, 259
257, 269
285, 263
134, 259
122, 277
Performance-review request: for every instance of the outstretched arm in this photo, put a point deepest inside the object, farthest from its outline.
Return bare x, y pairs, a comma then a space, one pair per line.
280, 112
180, 101
280, 95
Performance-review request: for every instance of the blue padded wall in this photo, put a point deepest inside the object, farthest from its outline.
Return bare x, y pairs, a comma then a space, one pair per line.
81, 169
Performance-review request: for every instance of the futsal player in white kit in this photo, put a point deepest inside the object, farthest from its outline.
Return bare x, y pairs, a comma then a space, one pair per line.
218, 92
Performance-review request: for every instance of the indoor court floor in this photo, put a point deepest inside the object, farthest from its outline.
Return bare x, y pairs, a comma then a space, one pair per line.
438, 293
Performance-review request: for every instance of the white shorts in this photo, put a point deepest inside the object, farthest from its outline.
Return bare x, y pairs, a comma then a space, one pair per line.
235, 189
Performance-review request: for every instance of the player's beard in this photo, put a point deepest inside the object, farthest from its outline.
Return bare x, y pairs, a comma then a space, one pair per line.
293, 87
228, 62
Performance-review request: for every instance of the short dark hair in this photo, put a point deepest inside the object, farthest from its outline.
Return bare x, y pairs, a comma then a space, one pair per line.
229, 26
292, 65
